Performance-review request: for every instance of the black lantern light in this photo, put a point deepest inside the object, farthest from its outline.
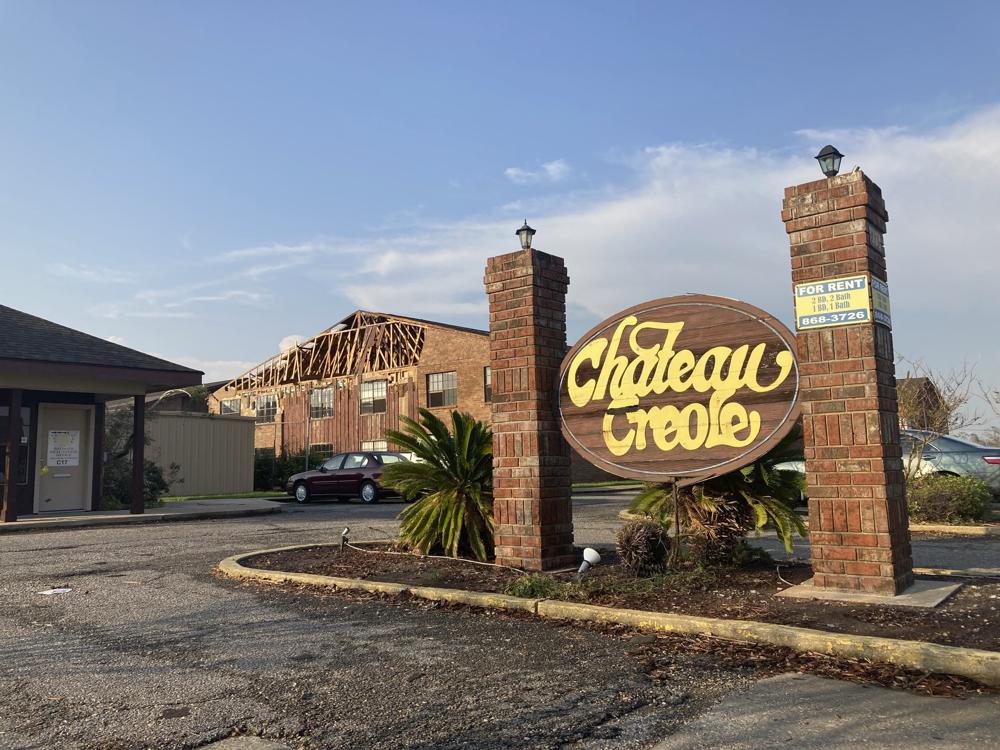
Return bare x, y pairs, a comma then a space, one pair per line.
525, 233
829, 160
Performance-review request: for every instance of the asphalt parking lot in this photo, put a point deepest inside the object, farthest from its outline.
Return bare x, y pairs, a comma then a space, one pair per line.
150, 650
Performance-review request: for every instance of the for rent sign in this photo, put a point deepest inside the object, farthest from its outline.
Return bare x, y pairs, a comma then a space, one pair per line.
689, 386
841, 302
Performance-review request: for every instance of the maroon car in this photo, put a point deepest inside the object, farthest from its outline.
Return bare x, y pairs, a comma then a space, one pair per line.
344, 475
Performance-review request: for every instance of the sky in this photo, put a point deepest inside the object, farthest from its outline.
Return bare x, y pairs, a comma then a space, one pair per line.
204, 181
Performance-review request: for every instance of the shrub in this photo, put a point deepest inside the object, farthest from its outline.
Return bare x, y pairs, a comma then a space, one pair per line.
264, 471
271, 472
642, 547
718, 513
116, 475
452, 484
942, 498
117, 482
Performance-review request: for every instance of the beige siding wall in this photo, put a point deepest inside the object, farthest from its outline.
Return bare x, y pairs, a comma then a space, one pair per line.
215, 453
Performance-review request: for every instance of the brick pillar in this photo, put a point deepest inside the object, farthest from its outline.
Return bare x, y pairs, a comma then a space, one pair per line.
858, 524
531, 477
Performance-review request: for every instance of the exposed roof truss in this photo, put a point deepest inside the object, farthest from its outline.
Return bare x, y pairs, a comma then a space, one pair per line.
362, 342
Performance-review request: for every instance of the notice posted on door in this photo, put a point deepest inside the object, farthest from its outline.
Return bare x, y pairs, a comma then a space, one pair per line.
64, 448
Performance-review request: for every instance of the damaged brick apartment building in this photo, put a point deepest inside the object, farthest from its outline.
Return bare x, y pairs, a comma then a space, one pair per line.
342, 389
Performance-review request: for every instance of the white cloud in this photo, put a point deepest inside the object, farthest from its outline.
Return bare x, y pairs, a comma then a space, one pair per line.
233, 295
556, 170
116, 340
706, 218
114, 311
550, 171
690, 218
79, 272
289, 341
214, 369
270, 251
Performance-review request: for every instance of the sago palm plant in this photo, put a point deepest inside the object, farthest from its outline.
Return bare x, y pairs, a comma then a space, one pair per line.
451, 481
720, 511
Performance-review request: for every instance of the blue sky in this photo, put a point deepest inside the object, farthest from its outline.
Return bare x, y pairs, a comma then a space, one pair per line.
201, 180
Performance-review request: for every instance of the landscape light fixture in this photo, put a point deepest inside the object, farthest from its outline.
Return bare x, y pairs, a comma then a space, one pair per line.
829, 160
343, 537
525, 233
590, 558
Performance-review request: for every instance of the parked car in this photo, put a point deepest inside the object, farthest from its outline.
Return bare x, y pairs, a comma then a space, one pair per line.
927, 453
345, 475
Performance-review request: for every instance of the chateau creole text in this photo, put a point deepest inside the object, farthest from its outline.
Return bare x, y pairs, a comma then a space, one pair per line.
624, 379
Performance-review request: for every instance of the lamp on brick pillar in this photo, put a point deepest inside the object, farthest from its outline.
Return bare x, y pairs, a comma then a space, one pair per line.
525, 233
858, 525
531, 479
829, 160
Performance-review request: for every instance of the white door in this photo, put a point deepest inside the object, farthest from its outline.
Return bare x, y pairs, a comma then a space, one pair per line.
64, 460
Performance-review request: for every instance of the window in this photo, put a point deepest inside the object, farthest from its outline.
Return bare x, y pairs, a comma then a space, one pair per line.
332, 464
442, 389
321, 403
374, 445
373, 397
356, 461
261, 453
267, 408
487, 384
229, 406
391, 458
321, 449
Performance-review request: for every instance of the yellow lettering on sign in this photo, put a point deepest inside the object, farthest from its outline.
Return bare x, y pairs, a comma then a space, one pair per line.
660, 368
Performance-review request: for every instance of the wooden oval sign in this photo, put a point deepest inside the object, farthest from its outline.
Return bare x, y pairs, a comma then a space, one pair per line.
684, 388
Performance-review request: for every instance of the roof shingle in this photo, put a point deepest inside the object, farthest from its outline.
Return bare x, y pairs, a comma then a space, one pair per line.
27, 337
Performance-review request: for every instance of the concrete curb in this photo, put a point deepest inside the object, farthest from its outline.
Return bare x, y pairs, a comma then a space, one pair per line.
936, 528
915, 528
976, 664
20, 527
233, 568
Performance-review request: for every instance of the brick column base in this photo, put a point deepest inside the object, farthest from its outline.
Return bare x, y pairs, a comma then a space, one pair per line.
531, 475
858, 524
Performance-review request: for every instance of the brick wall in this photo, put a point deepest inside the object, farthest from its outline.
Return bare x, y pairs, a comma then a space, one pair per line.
857, 509
444, 350
465, 353
531, 464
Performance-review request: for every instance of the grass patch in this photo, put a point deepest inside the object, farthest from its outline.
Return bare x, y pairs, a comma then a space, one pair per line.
598, 586
542, 586
533, 586
231, 496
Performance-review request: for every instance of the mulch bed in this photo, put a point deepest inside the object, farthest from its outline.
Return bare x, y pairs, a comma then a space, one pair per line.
970, 618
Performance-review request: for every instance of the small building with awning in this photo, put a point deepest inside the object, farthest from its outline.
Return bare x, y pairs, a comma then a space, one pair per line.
54, 384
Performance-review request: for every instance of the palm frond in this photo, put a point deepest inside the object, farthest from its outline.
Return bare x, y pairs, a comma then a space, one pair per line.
452, 484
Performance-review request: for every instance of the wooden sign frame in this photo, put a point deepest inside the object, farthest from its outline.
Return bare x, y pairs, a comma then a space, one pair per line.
703, 327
